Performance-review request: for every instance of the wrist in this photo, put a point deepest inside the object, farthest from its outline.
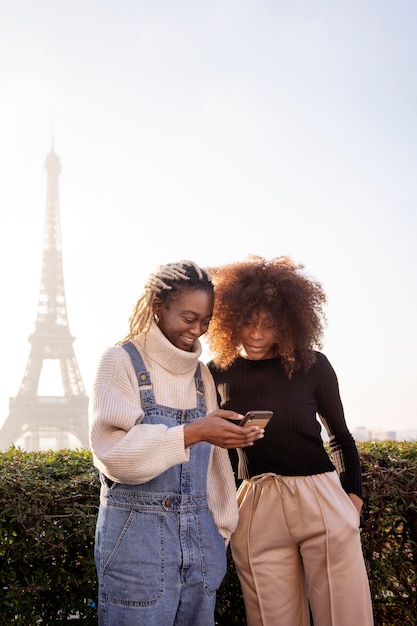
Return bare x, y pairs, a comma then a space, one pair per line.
192, 434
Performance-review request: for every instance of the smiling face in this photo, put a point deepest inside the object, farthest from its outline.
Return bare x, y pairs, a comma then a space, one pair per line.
258, 337
185, 317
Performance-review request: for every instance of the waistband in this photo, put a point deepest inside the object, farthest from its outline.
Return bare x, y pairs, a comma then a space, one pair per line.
290, 482
126, 497
277, 478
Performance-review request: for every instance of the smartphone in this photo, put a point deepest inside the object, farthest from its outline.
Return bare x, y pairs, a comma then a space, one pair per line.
256, 418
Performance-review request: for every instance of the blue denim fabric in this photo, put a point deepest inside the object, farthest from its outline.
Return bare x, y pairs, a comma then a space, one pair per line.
159, 555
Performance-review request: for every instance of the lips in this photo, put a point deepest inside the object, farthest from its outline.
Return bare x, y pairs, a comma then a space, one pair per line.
188, 340
256, 352
255, 348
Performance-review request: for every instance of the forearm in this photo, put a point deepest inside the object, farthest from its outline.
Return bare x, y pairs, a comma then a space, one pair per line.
136, 457
125, 449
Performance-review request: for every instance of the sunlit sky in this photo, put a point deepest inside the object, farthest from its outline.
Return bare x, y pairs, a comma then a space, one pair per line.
210, 131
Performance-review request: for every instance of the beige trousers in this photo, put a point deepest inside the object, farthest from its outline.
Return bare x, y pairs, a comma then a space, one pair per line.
298, 542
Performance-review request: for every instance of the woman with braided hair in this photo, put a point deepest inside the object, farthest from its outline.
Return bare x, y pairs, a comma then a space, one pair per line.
167, 500
297, 545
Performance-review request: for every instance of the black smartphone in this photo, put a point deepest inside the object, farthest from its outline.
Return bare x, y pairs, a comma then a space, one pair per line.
256, 418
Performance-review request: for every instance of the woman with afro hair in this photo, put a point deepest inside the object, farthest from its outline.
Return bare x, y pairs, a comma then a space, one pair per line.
297, 546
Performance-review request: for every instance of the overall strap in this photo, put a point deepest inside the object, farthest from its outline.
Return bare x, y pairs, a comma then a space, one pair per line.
144, 379
201, 403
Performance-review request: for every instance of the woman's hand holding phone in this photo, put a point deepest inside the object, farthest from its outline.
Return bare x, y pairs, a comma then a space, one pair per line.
222, 428
257, 418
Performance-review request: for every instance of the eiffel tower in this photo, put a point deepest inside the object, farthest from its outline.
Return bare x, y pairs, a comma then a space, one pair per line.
49, 422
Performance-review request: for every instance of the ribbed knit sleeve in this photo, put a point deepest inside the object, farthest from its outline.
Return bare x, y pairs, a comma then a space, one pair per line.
221, 491
343, 448
221, 487
123, 448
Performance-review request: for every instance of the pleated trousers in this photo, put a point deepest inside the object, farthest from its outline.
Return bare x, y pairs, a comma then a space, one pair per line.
298, 545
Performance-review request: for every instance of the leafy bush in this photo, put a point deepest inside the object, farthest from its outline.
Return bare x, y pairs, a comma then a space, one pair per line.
48, 509
389, 521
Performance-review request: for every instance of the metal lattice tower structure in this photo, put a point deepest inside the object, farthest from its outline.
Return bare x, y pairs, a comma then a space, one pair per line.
38, 419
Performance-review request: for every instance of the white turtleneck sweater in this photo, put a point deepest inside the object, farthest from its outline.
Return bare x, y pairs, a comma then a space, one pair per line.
130, 452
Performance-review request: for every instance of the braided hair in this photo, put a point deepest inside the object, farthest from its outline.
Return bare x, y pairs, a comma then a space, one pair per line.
167, 282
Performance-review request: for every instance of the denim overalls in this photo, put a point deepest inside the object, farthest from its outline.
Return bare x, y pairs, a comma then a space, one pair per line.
159, 555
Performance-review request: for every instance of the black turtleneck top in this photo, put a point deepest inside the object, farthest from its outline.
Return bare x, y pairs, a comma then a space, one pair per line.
292, 445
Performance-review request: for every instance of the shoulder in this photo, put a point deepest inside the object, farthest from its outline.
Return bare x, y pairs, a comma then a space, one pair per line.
114, 360
114, 355
322, 367
322, 361
210, 365
218, 372
206, 373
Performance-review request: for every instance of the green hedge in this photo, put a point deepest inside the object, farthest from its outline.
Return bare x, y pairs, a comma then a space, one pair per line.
389, 535
48, 509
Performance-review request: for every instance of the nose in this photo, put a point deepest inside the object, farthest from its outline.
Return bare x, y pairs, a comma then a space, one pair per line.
256, 331
197, 329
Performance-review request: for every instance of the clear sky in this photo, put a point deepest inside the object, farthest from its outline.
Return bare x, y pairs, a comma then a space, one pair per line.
210, 131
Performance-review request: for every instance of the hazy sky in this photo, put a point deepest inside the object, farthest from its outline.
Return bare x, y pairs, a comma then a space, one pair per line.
210, 131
